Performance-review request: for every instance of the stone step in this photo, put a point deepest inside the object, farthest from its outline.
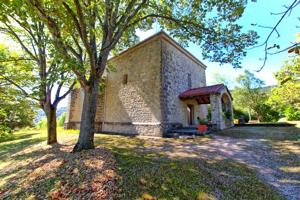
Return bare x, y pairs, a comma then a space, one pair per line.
184, 132
186, 128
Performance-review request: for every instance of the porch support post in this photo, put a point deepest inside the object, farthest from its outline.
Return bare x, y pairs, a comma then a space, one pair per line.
232, 114
216, 111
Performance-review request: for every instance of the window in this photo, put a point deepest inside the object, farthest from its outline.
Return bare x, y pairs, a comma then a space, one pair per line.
125, 79
189, 81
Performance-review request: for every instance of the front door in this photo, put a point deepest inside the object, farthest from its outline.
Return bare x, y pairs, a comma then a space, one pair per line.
190, 110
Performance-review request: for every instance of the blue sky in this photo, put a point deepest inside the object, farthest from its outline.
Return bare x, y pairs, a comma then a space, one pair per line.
258, 13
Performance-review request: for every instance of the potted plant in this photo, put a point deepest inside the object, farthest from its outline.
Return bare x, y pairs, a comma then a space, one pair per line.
227, 114
202, 127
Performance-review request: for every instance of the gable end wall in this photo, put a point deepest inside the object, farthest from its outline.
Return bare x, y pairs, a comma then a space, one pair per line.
134, 108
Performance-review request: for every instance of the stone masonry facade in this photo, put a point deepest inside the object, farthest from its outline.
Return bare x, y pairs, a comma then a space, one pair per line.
177, 67
141, 95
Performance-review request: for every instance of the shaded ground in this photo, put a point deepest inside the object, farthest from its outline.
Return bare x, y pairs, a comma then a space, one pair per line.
30, 169
182, 169
214, 167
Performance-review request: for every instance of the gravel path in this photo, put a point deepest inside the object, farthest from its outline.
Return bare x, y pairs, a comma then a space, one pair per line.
261, 158
252, 152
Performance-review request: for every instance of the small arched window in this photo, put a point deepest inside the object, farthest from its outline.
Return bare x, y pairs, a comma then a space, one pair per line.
189, 81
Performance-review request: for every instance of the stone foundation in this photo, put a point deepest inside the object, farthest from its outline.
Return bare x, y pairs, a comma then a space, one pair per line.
126, 128
133, 128
76, 126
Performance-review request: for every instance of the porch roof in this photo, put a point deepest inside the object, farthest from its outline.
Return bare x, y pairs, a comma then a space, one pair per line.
201, 94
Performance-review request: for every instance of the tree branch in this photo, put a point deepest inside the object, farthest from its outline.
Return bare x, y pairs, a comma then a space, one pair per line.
56, 34
274, 29
20, 88
57, 100
11, 32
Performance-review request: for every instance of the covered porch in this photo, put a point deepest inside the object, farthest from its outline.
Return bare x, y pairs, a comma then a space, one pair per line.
220, 111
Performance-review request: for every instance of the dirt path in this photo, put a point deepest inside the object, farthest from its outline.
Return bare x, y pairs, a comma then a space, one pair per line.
261, 158
252, 152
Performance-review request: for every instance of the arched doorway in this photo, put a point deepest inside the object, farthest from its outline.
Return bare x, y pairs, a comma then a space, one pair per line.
227, 110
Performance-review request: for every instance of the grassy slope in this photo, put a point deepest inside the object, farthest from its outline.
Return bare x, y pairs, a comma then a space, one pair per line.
145, 174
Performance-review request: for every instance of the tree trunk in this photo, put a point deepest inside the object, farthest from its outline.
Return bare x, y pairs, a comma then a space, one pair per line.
87, 125
249, 113
51, 124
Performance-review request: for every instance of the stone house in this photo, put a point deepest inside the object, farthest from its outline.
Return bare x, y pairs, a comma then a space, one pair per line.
157, 86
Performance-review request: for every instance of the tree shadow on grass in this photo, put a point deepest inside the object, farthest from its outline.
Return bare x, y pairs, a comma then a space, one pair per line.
54, 172
145, 177
14, 147
12, 137
168, 169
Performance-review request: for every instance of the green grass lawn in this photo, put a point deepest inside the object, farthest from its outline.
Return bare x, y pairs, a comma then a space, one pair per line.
141, 170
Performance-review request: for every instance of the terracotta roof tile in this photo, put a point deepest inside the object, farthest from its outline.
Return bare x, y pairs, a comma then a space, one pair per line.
201, 91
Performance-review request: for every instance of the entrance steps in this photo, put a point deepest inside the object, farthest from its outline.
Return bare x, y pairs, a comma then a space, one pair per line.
184, 132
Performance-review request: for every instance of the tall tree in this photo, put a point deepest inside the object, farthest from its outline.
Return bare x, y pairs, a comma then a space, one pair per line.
249, 94
225, 78
286, 95
39, 74
98, 27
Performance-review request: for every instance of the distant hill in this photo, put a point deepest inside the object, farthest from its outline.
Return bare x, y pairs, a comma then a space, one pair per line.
41, 114
267, 88
263, 89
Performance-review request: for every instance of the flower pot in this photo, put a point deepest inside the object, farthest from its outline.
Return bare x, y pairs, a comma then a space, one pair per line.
202, 128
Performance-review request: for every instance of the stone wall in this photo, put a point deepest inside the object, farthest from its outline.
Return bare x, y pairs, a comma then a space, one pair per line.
73, 115
176, 67
134, 107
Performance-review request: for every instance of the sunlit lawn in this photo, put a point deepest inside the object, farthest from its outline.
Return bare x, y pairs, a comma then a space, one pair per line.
144, 170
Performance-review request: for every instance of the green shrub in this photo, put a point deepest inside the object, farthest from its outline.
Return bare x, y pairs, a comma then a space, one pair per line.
61, 120
42, 124
5, 132
292, 113
265, 113
238, 113
208, 112
202, 121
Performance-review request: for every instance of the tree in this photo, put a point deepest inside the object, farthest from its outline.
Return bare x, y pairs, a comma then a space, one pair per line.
286, 97
249, 94
37, 72
265, 112
219, 78
15, 111
86, 32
